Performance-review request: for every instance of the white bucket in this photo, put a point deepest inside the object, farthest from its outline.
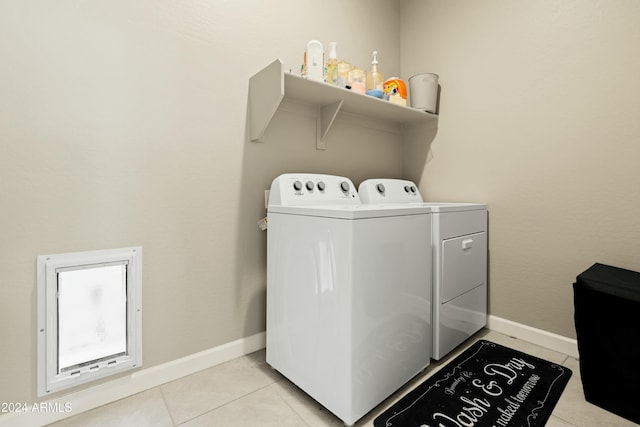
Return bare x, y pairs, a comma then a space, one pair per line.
423, 92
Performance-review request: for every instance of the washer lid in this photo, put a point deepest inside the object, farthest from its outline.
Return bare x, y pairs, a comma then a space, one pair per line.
353, 211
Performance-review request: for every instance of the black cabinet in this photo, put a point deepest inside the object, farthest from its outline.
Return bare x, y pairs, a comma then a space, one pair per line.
607, 319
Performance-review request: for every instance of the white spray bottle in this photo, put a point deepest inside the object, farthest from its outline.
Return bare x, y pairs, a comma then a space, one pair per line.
315, 61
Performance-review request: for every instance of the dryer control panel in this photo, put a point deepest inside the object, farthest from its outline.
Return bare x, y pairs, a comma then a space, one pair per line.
377, 191
312, 189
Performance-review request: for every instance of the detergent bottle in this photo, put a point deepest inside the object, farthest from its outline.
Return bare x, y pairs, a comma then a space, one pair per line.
332, 65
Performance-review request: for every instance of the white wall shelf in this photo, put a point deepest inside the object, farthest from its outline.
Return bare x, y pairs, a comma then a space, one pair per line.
269, 87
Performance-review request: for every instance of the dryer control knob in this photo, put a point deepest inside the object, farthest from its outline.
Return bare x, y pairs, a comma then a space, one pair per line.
413, 189
380, 188
407, 189
309, 185
344, 186
321, 186
297, 186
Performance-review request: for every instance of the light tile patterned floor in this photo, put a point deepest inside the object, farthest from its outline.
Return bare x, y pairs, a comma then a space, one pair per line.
247, 392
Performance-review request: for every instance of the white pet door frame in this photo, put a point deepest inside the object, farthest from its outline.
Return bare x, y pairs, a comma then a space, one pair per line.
89, 316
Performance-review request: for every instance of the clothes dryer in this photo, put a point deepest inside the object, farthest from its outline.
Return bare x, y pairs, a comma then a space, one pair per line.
346, 294
459, 239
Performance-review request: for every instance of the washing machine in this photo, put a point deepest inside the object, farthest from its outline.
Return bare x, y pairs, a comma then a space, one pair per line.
346, 294
459, 239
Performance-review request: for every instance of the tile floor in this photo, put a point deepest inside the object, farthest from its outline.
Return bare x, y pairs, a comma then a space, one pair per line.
247, 392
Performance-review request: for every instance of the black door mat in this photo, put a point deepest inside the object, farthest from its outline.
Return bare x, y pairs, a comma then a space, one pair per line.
487, 385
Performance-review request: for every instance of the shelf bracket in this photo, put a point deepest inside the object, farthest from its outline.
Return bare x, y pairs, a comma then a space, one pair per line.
266, 92
326, 116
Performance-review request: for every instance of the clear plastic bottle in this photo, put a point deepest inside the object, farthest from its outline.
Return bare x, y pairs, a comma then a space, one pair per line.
357, 80
375, 80
332, 65
343, 68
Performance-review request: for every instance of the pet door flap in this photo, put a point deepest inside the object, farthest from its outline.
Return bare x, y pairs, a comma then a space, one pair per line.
92, 316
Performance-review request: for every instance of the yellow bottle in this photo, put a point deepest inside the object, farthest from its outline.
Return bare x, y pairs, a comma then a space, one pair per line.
332, 65
375, 79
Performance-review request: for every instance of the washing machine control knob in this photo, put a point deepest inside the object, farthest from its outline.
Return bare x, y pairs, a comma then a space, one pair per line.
321, 186
380, 188
344, 186
407, 189
310, 185
413, 189
297, 186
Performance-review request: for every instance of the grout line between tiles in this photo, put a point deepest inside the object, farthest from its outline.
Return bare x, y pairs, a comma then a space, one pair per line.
166, 405
291, 407
221, 406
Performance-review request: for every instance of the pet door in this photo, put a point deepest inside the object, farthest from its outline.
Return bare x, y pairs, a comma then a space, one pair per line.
88, 316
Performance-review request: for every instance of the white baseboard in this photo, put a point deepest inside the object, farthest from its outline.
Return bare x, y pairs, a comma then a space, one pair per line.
128, 385
536, 336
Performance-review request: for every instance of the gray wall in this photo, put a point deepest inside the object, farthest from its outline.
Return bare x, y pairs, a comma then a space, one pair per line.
125, 123
539, 118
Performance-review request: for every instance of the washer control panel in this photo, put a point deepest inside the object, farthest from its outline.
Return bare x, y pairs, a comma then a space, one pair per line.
312, 189
376, 191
